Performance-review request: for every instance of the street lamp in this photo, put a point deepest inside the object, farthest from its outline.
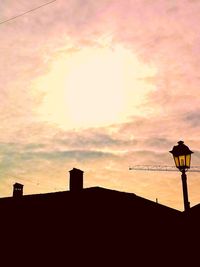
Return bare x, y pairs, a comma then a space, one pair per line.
182, 159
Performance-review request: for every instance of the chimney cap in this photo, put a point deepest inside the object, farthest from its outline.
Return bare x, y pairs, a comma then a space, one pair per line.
18, 185
76, 170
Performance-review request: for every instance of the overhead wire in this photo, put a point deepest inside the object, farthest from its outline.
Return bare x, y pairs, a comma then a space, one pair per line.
29, 11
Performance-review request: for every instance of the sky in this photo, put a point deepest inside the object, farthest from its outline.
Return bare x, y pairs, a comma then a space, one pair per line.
100, 86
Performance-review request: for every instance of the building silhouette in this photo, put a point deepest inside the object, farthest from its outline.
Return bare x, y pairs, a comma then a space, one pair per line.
95, 227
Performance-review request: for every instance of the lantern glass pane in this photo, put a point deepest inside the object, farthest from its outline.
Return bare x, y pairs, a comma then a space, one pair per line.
182, 161
188, 159
176, 161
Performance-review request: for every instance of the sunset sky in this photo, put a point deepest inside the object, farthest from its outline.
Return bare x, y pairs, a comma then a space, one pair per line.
100, 86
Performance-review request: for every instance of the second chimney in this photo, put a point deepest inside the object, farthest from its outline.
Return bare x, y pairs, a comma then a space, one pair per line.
76, 180
17, 190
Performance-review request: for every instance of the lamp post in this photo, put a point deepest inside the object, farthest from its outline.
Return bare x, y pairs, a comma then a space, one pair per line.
182, 159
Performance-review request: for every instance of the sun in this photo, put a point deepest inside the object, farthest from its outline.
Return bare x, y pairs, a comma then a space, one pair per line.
94, 87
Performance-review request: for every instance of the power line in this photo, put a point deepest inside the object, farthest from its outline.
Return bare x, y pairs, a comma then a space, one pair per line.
29, 11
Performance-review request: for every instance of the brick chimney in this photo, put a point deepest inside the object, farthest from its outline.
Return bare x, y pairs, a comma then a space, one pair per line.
76, 180
17, 190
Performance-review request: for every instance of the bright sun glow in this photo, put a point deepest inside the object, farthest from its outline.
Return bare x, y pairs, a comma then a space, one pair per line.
94, 87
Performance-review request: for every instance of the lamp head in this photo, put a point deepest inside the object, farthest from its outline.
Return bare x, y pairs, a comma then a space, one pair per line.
182, 156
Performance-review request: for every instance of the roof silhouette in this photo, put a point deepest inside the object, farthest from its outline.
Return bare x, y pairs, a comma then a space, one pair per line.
95, 225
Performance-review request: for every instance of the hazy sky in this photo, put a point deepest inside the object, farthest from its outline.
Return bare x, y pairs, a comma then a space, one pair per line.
99, 85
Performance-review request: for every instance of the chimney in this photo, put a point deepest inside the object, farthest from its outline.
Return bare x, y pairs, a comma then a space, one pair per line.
17, 190
76, 180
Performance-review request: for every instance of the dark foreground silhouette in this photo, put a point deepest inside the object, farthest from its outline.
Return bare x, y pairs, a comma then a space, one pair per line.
96, 227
